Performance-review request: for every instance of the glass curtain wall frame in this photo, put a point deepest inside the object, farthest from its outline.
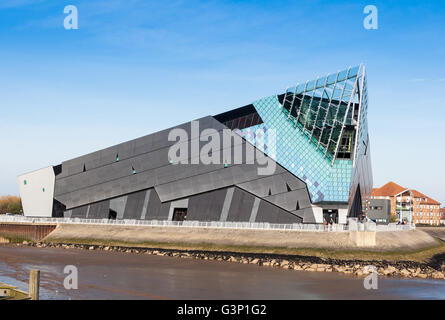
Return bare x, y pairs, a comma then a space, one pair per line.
326, 109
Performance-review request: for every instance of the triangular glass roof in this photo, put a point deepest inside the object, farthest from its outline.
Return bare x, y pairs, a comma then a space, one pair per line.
326, 109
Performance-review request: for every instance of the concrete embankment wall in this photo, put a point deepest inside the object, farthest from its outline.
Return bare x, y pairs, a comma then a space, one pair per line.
386, 241
22, 231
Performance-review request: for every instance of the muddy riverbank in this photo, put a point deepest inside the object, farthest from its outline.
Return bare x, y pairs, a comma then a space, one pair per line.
111, 274
433, 268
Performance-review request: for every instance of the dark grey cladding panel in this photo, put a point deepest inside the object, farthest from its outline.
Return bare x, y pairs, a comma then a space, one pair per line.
131, 148
99, 210
289, 200
293, 182
111, 189
80, 212
183, 171
112, 172
132, 183
302, 212
156, 210
203, 207
171, 181
152, 169
158, 158
176, 172
362, 176
135, 203
206, 206
271, 185
267, 212
309, 216
241, 206
233, 174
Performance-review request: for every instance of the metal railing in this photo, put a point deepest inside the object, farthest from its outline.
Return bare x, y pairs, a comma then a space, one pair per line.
191, 224
395, 227
353, 225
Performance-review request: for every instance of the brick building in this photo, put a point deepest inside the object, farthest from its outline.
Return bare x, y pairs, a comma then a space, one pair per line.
426, 209
409, 204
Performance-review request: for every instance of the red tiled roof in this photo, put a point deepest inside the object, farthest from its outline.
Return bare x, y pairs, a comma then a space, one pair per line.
392, 189
388, 190
417, 194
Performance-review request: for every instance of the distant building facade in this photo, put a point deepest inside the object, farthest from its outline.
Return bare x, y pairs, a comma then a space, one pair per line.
442, 215
426, 210
409, 205
379, 210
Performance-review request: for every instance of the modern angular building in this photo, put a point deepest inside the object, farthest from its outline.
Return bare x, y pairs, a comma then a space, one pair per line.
314, 135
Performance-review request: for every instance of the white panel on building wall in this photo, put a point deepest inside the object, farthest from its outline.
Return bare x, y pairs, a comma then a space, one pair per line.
342, 216
37, 192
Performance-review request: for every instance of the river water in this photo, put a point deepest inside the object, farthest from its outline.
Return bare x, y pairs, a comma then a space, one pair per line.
116, 275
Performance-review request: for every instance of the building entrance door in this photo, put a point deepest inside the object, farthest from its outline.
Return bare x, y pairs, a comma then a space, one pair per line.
179, 214
112, 215
330, 216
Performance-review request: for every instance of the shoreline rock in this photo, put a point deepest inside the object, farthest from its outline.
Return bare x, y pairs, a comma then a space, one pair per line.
402, 269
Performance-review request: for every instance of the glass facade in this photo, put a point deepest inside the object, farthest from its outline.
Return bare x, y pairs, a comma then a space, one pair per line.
321, 129
326, 110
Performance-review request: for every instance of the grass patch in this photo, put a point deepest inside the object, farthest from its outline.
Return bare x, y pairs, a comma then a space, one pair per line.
14, 239
420, 255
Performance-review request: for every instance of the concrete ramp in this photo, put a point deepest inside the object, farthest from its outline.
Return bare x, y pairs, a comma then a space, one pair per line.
384, 241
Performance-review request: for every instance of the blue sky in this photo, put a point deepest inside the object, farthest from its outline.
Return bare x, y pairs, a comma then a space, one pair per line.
135, 67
